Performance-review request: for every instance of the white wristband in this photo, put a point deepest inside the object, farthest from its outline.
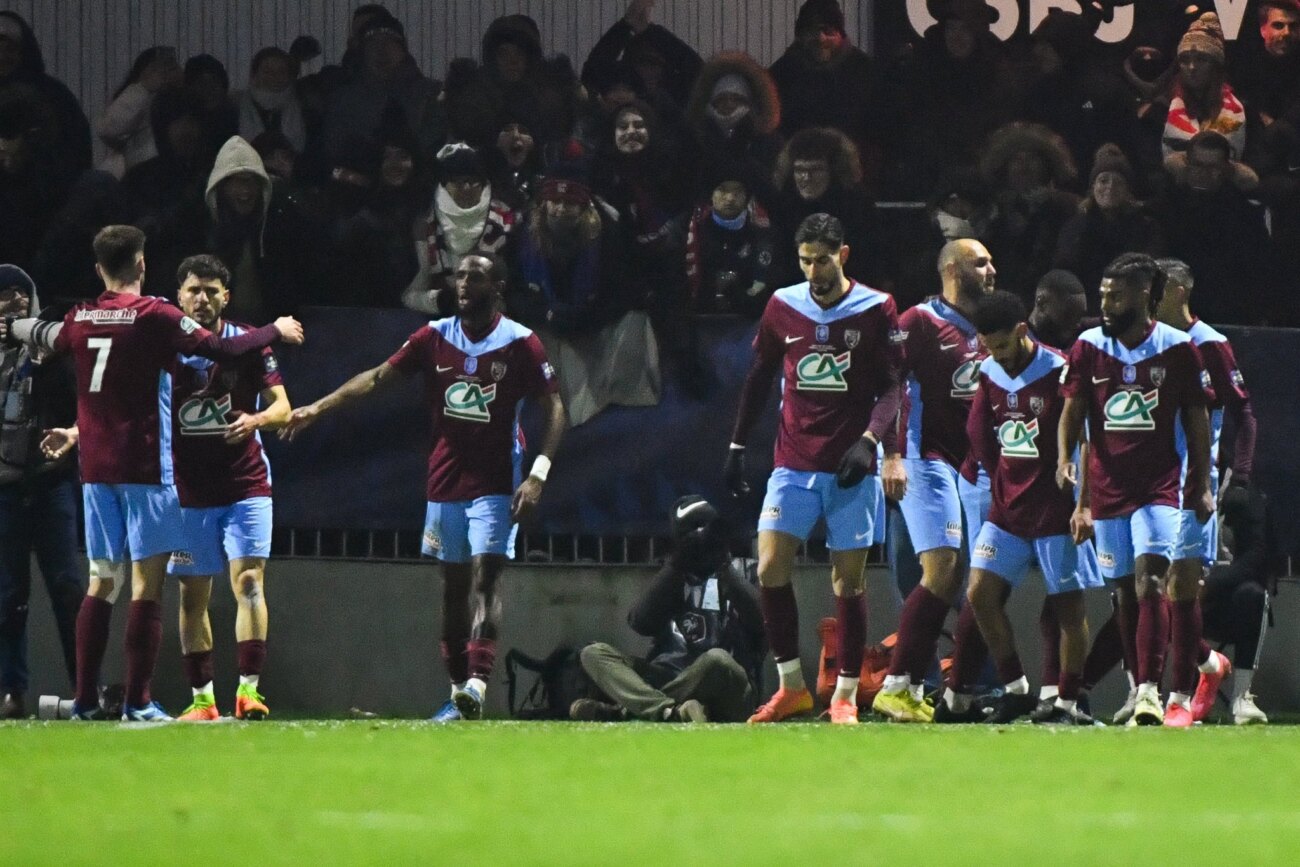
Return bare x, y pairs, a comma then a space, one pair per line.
541, 468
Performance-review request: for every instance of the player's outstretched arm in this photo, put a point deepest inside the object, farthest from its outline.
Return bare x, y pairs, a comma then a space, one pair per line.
529, 492
226, 349
1068, 435
274, 417
58, 441
36, 333
355, 388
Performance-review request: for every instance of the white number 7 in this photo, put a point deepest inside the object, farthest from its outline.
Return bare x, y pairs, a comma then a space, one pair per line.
102, 346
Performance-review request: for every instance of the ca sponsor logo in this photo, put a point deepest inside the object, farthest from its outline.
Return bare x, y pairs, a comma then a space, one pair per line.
966, 379
1019, 439
469, 401
204, 416
987, 551
822, 371
1131, 410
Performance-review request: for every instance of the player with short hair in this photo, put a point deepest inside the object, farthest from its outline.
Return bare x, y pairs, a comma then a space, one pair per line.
1198, 542
124, 346
1134, 379
223, 481
836, 344
477, 365
943, 356
1012, 431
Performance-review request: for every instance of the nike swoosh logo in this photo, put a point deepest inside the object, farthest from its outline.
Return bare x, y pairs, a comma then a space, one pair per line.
946, 346
996, 406
860, 536
1096, 381
790, 340
683, 511
442, 369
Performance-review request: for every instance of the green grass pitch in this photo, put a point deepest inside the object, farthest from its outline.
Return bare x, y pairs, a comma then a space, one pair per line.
559, 793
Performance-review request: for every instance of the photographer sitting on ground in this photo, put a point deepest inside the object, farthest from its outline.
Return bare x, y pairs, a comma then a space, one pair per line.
702, 612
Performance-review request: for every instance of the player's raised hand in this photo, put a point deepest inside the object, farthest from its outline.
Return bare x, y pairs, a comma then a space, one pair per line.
58, 441
893, 476
733, 472
290, 330
859, 460
524, 502
243, 427
1081, 528
302, 418
1067, 475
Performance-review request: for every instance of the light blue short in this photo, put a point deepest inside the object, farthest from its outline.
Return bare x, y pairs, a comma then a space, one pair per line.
795, 499
937, 501
131, 522
1009, 557
1120, 541
217, 535
1197, 540
455, 532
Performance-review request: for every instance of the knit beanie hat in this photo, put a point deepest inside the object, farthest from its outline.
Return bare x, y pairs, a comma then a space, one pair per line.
820, 13
1204, 35
1109, 158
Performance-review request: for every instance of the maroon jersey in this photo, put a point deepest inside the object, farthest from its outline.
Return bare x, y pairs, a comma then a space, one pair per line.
1230, 392
1133, 398
837, 364
942, 372
205, 398
124, 347
473, 389
1012, 430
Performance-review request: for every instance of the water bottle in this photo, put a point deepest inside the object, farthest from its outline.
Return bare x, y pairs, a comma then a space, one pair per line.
50, 707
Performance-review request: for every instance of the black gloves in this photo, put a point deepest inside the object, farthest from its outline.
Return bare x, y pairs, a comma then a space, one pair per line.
733, 472
857, 462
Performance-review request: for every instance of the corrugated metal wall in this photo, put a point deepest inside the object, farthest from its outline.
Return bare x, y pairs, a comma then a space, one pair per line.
89, 44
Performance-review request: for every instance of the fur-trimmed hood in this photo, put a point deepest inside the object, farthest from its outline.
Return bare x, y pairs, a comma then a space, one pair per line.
765, 111
1011, 138
827, 143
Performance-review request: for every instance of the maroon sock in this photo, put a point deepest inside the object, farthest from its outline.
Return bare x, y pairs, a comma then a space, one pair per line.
143, 637
851, 629
1152, 638
1050, 630
1106, 652
482, 657
1186, 634
1069, 686
1010, 669
1203, 649
781, 620
918, 632
198, 668
252, 656
92, 640
970, 653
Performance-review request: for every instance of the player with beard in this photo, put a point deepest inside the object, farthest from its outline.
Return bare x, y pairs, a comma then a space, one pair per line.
943, 356
836, 345
1012, 427
1134, 380
224, 484
477, 366
1198, 543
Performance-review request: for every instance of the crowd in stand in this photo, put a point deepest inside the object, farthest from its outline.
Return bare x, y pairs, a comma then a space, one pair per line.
652, 180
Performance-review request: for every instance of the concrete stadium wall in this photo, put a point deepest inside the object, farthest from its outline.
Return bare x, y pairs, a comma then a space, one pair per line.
90, 44
354, 634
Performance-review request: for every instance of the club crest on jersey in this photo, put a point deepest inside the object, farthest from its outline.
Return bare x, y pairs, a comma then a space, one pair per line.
1131, 410
1013, 401
471, 364
1130, 374
966, 379
822, 371
204, 416
822, 334
498, 370
1158, 376
1019, 439
852, 337
1036, 405
469, 401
